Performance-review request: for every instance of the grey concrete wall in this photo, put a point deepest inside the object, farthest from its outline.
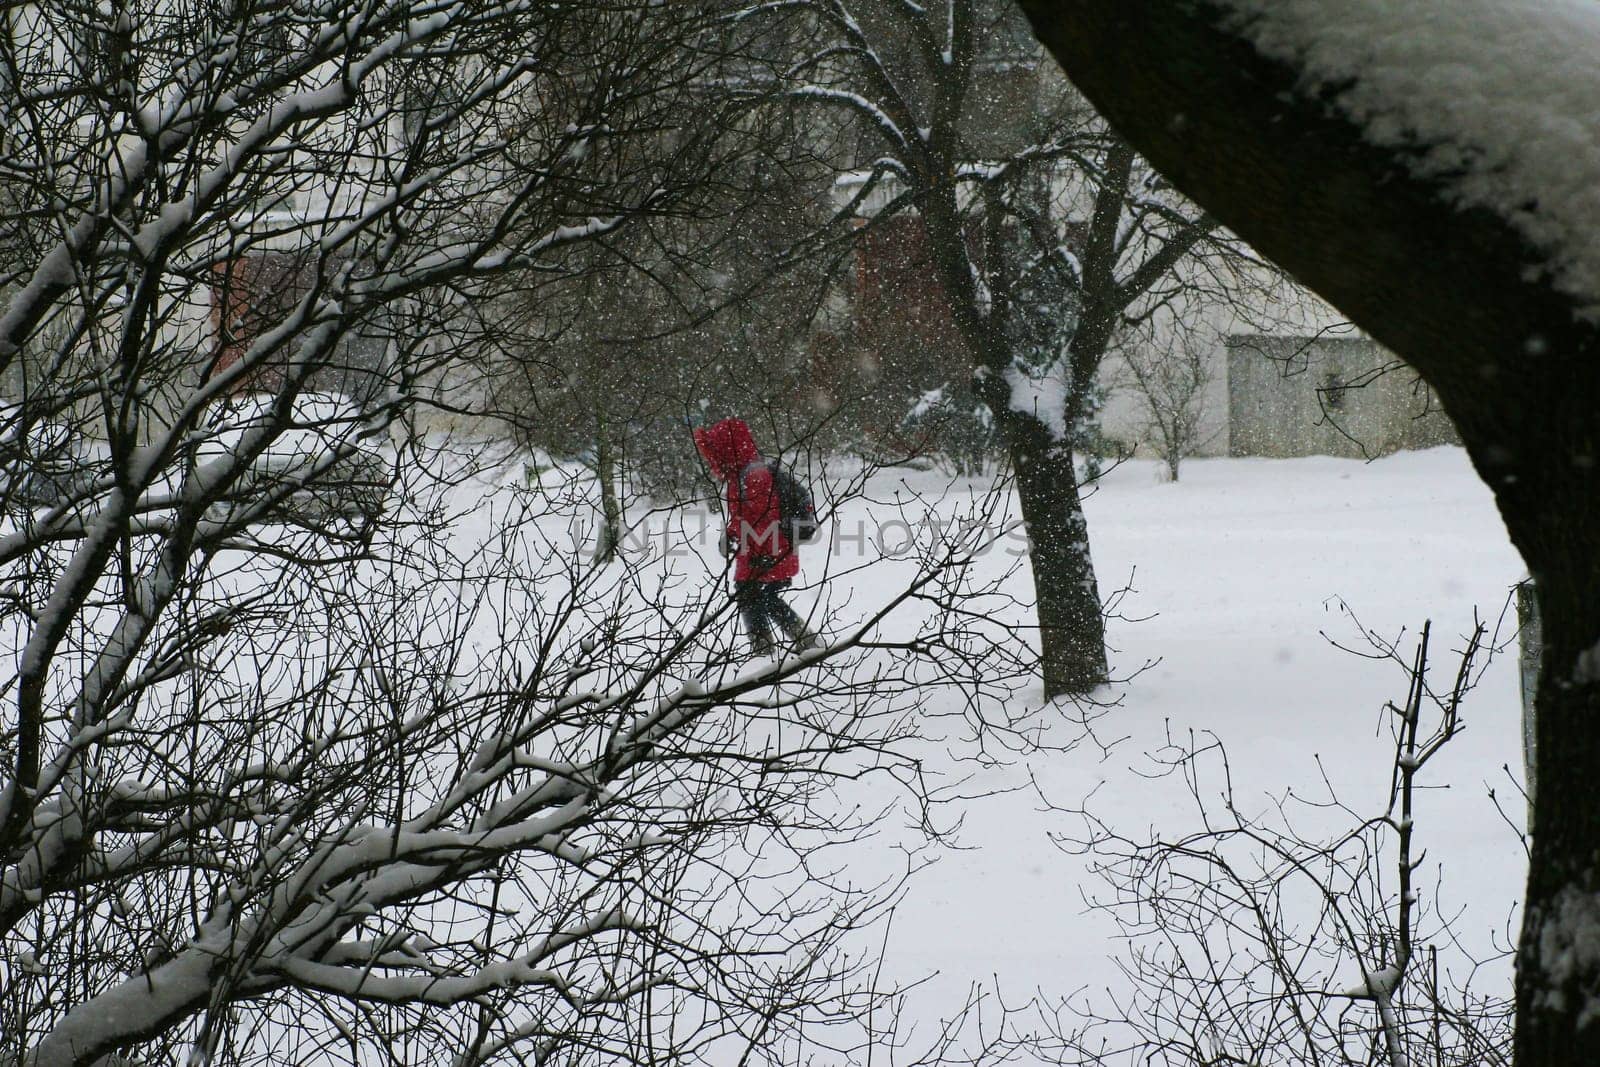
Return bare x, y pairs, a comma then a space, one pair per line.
1125, 419
1324, 396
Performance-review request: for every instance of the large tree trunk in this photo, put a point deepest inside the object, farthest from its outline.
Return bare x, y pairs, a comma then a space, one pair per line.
1558, 958
1071, 629
1072, 641
1465, 300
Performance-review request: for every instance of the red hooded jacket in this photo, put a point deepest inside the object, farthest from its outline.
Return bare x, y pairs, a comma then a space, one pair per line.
765, 554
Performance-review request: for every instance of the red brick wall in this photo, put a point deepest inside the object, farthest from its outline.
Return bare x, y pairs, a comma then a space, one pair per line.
249, 294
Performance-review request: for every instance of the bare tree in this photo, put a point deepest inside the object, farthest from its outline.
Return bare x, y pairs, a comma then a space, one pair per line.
295, 770
1170, 374
683, 319
699, 308
1255, 941
1047, 236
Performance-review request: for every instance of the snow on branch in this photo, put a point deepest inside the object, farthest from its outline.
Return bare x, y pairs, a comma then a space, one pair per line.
857, 103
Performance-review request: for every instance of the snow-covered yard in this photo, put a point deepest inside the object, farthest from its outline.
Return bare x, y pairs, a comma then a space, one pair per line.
1239, 577
1235, 585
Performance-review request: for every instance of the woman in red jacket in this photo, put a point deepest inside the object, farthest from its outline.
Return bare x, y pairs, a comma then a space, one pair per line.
765, 558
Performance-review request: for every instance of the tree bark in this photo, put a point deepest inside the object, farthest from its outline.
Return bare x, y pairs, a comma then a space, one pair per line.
605, 465
1466, 301
1558, 964
1072, 633
1072, 652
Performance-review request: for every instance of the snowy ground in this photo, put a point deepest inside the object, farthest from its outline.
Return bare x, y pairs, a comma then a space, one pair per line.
1238, 574
1238, 579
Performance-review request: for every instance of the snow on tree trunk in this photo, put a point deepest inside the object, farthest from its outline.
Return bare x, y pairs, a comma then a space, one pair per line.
1072, 649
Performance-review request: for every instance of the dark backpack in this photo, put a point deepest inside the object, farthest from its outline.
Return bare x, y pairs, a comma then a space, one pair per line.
797, 512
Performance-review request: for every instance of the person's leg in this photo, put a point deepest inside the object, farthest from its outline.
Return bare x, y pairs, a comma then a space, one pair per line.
751, 599
780, 613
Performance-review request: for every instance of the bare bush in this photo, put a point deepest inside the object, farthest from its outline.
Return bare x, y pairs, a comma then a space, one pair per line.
1170, 381
1254, 941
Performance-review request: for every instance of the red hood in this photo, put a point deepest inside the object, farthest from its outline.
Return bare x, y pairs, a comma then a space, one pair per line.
728, 447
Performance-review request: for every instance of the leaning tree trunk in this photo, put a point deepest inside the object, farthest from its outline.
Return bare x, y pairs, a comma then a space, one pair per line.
1072, 635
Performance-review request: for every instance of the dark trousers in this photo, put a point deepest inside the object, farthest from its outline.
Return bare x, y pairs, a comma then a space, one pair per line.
762, 609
